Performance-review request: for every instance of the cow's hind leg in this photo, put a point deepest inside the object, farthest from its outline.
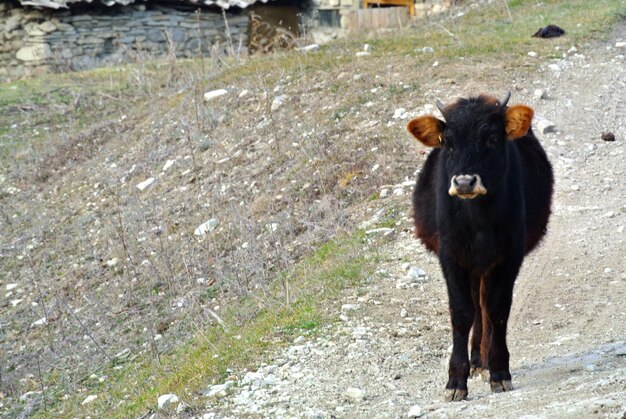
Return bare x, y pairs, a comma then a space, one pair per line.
462, 316
499, 296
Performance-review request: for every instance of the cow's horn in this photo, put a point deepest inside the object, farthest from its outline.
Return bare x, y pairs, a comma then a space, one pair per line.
504, 101
440, 105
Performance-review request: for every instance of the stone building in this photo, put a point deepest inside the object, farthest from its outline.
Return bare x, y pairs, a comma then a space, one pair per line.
58, 35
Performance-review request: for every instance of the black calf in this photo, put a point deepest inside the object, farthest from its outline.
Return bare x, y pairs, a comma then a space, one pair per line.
482, 202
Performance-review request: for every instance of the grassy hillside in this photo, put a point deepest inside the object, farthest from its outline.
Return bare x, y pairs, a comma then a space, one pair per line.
109, 292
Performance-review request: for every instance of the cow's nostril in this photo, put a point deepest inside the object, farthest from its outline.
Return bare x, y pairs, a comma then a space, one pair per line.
473, 181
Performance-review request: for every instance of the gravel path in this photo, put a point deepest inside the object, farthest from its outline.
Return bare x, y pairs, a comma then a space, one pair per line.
387, 356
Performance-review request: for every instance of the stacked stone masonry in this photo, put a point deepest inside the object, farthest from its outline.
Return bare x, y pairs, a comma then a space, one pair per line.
34, 41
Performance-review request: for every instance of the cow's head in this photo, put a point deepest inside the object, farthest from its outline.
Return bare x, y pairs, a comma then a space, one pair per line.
473, 141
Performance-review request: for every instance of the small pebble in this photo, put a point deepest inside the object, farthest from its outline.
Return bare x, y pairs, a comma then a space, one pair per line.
355, 394
415, 412
165, 400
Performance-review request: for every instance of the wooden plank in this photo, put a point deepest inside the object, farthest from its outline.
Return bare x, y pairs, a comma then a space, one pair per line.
377, 18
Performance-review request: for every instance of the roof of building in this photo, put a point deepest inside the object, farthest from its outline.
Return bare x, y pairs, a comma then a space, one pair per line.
57, 4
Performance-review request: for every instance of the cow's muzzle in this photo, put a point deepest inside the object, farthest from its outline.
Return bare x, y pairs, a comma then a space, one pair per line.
466, 186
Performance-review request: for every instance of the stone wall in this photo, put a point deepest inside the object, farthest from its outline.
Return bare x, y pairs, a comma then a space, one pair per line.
33, 41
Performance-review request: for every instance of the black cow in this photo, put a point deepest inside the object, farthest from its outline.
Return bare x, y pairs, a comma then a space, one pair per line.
482, 202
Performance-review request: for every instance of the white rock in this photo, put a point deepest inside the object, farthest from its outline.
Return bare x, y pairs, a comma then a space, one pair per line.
206, 227
47, 26
398, 191
428, 49
89, 399
544, 125
29, 395
182, 407
572, 50
355, 394
298, 340
143, 185
214, 94
403, 313
540, 94
362, 54
400, 113
270, 380
416, 273
11, 286
251, 378
244, 93
620, 44
415, 411
219, 390
383, 230
349, 307
34, 53
168, 164
112, 262
16, 301
165, 400
384, 193
278, 102
123, 354
554, 67
12, 23
367, 47
532, 54
310, 48
39, 322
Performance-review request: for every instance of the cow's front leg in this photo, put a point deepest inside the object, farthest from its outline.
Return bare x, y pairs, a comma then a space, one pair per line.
461, 316
498, 306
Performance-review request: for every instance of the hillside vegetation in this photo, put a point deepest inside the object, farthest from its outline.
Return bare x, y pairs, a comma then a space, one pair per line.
111, 290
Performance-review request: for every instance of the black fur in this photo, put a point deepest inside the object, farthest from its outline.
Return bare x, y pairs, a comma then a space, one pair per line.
481, 242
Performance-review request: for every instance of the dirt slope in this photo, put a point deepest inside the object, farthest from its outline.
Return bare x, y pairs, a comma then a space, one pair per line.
388, 354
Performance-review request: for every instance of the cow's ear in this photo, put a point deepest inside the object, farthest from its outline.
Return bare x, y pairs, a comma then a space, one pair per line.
518, 120
427, 129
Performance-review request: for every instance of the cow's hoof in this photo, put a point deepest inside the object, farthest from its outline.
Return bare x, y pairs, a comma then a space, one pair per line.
455, 395
500, 386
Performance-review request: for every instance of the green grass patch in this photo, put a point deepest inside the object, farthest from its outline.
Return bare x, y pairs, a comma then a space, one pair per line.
490, 30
